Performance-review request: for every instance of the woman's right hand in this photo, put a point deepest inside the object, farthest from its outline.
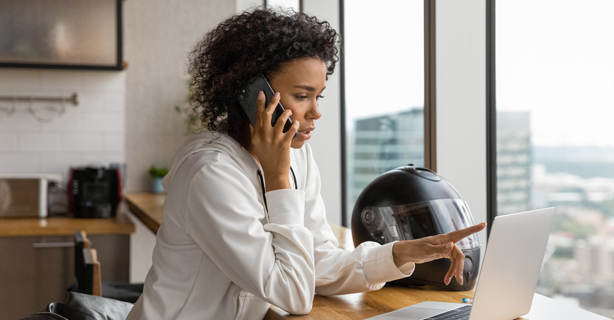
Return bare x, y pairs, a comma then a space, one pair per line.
271, 145
436, 247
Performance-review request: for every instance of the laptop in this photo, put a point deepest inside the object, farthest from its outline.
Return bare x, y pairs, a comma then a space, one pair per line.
508, 278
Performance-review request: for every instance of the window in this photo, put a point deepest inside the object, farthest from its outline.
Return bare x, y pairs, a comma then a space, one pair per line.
554, 137
295, 5
384, 45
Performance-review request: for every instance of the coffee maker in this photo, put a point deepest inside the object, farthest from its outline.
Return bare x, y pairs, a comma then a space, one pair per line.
94, 192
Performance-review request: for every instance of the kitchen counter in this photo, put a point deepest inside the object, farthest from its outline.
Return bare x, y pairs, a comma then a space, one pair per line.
147, 207
57, 226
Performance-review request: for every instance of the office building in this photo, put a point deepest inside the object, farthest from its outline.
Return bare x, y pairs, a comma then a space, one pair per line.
513, 162
383, 143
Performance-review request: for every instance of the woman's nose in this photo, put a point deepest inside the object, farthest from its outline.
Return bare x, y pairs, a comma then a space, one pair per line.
314, 112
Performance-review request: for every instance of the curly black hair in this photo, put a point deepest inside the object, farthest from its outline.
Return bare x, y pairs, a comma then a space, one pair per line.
244, 46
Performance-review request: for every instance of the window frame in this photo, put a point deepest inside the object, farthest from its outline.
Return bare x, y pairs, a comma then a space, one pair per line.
491, 116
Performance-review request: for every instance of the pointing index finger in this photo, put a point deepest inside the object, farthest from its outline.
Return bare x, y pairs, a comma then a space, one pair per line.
458, 235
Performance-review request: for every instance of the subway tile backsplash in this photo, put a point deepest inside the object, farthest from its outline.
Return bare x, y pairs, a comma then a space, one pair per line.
8, 142
39, 142
91, 133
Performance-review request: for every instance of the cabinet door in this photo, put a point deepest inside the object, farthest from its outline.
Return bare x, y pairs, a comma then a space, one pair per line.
17, 277
34, 272
114, 255
55, 268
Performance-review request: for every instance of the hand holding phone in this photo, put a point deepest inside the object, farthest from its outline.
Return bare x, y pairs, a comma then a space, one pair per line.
249, 99
270, 146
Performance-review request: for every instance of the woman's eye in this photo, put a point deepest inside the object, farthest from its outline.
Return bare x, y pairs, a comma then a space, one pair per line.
302, 98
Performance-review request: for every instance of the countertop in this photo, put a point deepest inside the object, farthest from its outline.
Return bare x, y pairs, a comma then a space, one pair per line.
57, 226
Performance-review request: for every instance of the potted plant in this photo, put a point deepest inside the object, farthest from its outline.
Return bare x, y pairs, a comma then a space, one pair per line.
157, 173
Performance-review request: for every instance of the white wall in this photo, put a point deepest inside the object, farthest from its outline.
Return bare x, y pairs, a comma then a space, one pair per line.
243, 5
90, 133
461, 100
158, 36
326, 140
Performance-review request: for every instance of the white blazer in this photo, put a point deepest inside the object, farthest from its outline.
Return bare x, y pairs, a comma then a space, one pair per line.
220, 254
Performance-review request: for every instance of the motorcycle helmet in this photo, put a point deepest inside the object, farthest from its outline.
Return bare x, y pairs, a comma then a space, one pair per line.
411, 203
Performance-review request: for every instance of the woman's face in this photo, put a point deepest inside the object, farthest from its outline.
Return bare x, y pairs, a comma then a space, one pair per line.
300, 83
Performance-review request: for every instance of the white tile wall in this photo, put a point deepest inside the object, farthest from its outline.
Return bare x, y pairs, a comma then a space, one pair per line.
8, 142
113, 142
19, 163
89, 133
82, 142
44, 142
22, 79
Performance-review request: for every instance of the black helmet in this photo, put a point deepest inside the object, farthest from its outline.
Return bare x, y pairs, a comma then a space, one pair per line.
410, 203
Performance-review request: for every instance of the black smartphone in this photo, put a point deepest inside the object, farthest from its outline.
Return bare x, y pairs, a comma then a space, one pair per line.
249, 99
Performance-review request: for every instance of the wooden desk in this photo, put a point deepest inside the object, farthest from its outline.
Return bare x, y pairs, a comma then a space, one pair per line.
369, 304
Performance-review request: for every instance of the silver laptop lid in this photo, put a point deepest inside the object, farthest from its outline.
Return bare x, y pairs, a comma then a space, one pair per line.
512, 263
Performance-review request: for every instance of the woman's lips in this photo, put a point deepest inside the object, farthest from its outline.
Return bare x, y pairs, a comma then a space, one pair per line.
306, 133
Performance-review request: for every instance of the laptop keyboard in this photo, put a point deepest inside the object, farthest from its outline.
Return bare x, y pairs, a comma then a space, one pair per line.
461, 313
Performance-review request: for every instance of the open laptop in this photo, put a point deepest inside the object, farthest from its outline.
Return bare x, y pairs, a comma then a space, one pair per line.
507, 281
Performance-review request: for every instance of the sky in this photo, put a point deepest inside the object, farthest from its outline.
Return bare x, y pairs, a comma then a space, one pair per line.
555, 59
384, 57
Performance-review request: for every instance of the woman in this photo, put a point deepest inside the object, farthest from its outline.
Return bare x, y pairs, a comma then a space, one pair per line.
244, 223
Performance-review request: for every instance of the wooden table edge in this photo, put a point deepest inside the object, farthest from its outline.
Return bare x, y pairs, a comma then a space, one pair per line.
141, 214
64, 226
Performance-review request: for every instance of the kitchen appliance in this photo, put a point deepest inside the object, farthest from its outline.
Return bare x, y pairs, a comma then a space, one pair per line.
94, 192
23, 196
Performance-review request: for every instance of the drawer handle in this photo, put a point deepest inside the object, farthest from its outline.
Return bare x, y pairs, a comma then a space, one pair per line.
53, 245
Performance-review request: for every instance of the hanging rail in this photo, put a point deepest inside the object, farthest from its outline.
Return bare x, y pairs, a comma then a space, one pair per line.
74, 99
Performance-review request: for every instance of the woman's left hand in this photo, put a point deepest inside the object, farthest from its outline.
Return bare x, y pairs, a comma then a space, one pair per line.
436, 247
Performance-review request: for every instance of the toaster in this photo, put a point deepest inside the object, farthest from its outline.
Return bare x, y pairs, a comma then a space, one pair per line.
23, 196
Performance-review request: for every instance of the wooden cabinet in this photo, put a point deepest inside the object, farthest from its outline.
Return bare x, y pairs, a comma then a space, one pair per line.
36, 270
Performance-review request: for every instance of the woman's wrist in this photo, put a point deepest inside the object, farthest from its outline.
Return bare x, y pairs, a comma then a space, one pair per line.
398, 254
277, 183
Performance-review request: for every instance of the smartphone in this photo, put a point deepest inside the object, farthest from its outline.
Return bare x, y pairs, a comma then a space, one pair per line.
249, 99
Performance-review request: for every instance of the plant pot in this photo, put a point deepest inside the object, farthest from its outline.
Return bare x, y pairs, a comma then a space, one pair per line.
156, 185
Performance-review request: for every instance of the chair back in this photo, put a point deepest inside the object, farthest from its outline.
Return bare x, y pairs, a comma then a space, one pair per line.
92, 281
81, 242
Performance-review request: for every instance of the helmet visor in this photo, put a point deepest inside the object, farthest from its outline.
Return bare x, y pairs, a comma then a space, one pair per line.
419, 220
